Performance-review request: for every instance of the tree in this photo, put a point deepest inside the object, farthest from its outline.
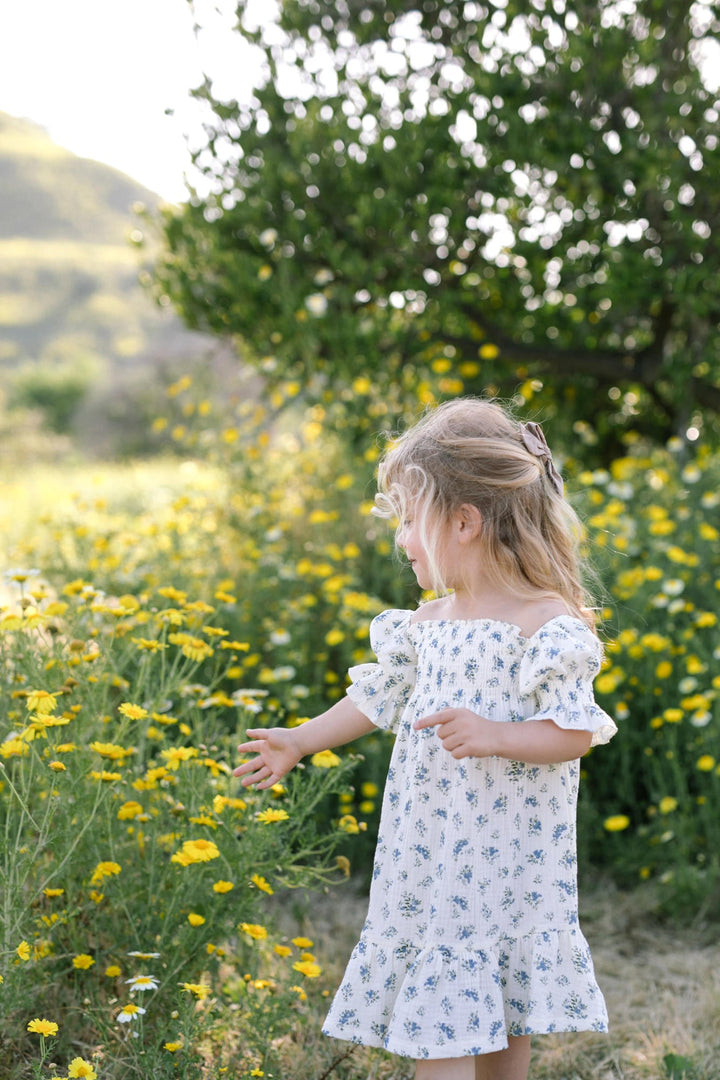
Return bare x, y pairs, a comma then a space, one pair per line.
523, 192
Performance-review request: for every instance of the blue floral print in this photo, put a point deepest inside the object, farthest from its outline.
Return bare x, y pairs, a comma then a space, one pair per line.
472, 930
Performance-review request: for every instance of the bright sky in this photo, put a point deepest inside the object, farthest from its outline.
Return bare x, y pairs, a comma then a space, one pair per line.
99, 75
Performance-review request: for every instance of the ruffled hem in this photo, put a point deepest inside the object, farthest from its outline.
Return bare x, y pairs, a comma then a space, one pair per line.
448, 1002
556, 678
585, 718
377, 695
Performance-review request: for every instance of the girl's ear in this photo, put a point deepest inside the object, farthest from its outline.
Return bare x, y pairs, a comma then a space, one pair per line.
469, 522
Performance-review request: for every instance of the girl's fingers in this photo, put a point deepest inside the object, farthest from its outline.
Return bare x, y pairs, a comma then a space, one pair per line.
441, 717
253, 733
267, 783
426, 721
251, 765
248, 748
253, 777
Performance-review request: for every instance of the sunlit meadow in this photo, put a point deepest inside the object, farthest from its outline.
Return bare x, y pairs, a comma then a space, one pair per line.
151, 612
135, 870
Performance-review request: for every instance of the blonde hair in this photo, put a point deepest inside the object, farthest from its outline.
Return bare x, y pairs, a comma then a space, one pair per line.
471, 451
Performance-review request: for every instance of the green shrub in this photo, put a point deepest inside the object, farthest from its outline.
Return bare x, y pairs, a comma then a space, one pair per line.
56, 389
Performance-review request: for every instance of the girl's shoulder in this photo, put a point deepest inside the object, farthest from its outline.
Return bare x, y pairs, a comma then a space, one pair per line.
527, 617
432, 610
536, 613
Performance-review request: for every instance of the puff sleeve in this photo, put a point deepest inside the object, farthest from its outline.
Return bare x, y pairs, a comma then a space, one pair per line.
381, 690
556, 678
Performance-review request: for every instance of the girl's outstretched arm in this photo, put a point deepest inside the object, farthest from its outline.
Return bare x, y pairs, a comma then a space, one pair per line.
536, 742
278, 750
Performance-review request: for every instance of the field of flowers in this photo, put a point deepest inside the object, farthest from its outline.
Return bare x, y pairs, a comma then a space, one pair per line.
135, 870
652, 799
151, 611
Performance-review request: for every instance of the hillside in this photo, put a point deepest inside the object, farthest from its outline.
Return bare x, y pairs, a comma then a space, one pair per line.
68, 273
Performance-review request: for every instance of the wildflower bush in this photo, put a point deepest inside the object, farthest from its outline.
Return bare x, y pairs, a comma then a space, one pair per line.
154, 613
134, 869
652, 798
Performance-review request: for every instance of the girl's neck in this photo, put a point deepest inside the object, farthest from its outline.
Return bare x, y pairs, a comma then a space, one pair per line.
484, 602
500, 605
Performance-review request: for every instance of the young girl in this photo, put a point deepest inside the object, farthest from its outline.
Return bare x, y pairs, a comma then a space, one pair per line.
471, 942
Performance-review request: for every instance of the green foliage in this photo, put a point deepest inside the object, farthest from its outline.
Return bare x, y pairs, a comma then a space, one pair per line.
129, 851
525, 193
679, 1067
56, 389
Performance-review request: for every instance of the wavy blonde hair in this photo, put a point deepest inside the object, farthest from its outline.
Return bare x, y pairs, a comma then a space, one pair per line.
471, 451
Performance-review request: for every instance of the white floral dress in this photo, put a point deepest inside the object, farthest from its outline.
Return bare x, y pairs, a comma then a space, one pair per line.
472, 928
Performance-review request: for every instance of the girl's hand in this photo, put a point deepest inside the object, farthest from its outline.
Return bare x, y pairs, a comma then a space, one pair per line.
534, 742
277, 753
462, 733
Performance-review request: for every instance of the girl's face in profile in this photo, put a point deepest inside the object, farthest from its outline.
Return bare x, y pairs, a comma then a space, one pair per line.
454, 541
409, 538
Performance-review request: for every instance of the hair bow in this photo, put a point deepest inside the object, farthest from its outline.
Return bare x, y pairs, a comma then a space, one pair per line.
535, 441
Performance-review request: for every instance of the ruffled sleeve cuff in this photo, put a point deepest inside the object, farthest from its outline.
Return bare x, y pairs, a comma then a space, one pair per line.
382, 690
556, 678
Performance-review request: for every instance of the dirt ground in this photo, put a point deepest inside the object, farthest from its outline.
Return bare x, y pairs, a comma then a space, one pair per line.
661, 983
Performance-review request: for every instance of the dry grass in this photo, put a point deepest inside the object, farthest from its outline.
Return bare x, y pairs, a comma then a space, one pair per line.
661, 983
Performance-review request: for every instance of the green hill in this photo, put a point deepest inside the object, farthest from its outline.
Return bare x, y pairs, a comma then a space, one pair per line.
68, 273
50, 194
82, 346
